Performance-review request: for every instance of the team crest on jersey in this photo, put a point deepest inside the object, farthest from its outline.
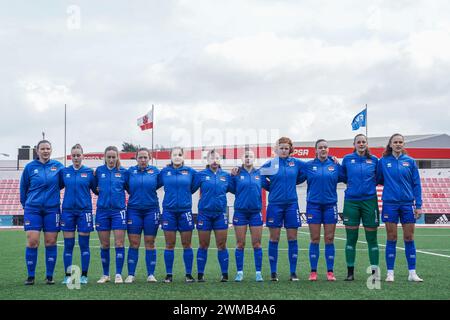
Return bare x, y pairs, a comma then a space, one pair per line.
68, 175
103, 175
291, 164
223, 179
36, 171
169, 173
331, 168
151, 171
53, 168
389, 165
314, 168
134, 171
405, 164
369, 161
118, 175
84, 175
208, 178
184, 172
353, 161
242, 177
257, 178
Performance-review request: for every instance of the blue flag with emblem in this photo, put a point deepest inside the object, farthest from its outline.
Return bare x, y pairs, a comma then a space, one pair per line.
360, 120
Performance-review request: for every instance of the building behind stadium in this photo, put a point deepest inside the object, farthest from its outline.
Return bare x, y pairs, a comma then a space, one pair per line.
432, 153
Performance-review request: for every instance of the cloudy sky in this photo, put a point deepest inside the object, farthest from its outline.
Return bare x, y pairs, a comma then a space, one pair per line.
219, 69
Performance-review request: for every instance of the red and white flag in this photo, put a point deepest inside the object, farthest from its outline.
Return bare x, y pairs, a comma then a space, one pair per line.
146, 122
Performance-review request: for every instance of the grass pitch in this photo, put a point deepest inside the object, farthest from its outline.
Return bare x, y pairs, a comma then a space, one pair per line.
433, 261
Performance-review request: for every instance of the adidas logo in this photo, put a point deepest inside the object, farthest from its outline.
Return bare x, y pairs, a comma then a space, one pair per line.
442, 220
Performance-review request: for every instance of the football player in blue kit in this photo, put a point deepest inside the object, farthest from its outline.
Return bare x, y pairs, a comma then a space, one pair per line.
402, 201
247, 187
142, 213
78, 181
280, 178
323, 175
177, 212
214, 183
40, 187
111, 212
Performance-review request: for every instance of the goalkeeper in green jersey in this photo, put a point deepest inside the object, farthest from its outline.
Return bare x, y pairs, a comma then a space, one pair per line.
361, 203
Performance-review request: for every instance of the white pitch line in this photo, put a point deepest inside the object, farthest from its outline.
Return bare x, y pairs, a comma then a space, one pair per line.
400, 248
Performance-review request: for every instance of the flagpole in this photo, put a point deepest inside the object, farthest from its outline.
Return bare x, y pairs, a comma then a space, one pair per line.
65, 134
153, 132
367, 123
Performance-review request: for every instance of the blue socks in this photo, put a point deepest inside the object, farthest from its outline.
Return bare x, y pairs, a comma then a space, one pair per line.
150, 261
314, 253
31, 260
69, 244
410, 251
120, 259
133, 257
169, 256
330, 252
202, 257
51, 254
83, 242
105, 256
224, 258
188, 257
258, 253
239, 255
390, 254
273, 256
293, 255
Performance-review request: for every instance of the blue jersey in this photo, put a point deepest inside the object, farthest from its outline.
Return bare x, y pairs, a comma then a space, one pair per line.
111, 187
401, 181
280, 178
322, 178
361, 176
247, 188
78, 185
142, 186
213, 189
40, 184
178, 188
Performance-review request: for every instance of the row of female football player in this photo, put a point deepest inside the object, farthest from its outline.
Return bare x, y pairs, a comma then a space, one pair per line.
43, 178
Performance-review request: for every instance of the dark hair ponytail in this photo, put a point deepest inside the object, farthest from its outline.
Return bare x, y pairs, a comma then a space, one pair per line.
388, 150
367, 152
316, 144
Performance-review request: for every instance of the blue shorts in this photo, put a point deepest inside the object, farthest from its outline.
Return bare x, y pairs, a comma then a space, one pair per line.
393, 213
46, 220
321, 213
147, 220
242, 218
73, 219
217, 221
177, 221
283, 214
107, 220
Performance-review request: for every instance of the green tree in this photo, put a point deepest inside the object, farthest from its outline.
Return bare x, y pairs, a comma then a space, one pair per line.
129, 147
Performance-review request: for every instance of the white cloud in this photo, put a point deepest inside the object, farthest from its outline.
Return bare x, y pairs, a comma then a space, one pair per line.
304, 68
42, 95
